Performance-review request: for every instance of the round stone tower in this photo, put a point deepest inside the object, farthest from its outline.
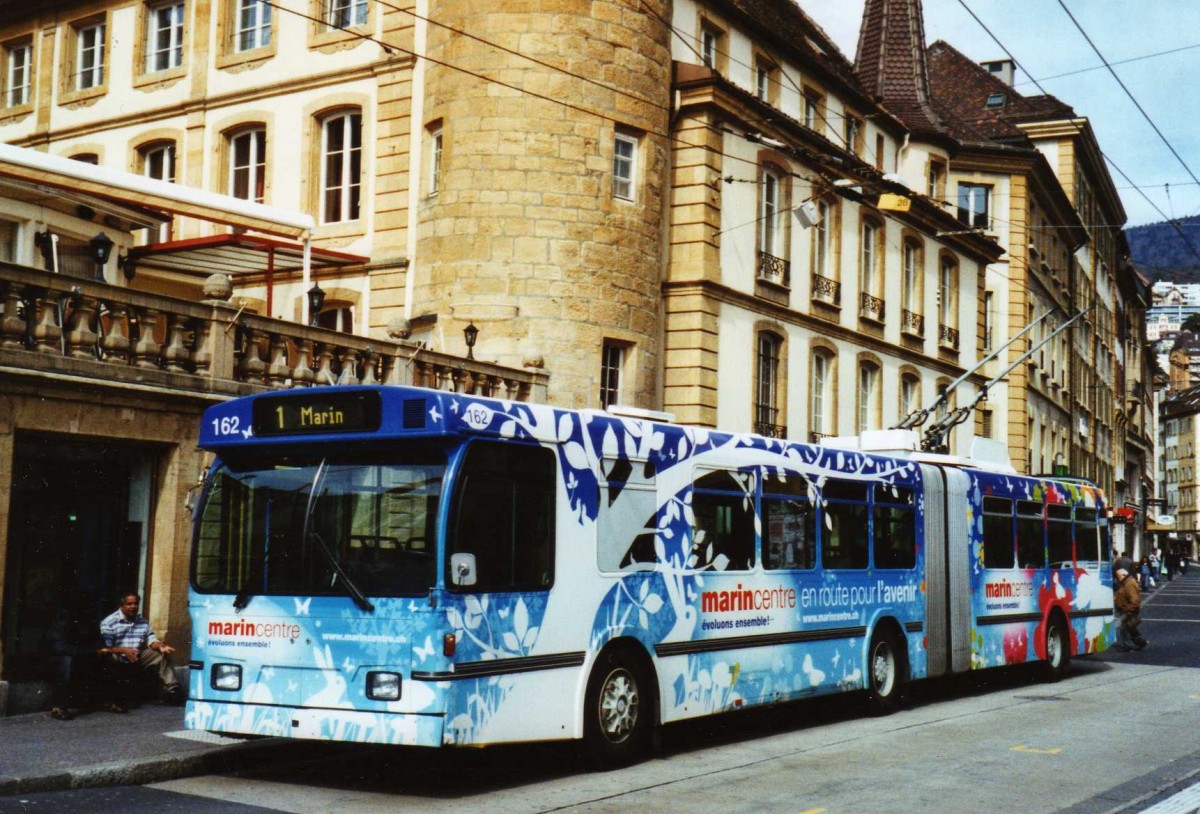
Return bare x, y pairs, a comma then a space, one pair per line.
519, 228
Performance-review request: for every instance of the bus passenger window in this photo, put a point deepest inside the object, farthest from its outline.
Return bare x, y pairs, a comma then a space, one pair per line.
1087, 548
723, 526
789, 533
998, 533
1031, 535
1058, 535
627, 519
845, 532
894, 534
504, 516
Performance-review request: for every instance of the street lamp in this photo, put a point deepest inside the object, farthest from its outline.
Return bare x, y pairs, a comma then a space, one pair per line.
316, 298
101, 246
470, 334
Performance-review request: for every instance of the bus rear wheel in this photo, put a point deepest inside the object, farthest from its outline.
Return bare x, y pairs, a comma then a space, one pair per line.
1058, 648
617, 722
887, 671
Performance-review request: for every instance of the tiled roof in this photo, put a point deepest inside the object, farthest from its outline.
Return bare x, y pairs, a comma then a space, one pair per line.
891, 62
787, 21
961, 89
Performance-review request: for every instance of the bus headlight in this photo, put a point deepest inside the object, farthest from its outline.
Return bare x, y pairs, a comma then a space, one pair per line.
227, 677
383, 686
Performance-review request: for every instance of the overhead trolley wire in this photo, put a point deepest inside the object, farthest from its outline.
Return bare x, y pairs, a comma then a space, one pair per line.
1128, 93
1078, 130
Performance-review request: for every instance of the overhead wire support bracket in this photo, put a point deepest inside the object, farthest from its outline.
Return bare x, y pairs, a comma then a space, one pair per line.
935, 436
918, 417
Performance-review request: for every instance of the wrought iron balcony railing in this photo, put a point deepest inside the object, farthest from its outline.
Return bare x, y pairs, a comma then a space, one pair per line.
948, 337
770, 430
826, 290
774, 270
911, 323
870, 307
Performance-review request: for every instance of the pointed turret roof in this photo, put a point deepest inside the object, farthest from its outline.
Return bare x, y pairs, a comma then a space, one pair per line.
890, 63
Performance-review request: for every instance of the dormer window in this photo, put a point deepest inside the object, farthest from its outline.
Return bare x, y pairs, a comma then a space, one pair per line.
995, 101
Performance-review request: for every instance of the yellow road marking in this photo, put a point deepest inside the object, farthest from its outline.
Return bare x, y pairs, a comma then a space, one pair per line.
814, 811
1031, 750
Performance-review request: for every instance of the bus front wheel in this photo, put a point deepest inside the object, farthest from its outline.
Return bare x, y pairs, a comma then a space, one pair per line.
886, 668
617, 721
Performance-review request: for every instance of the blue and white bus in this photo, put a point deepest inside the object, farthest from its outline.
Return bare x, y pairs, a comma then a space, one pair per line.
407, 566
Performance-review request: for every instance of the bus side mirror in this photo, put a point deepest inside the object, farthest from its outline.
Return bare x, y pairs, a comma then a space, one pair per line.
462, 569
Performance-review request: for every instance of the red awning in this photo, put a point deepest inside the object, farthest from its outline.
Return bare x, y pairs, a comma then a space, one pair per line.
237, 254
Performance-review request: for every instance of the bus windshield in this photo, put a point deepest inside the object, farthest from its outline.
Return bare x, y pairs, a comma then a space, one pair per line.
321, 525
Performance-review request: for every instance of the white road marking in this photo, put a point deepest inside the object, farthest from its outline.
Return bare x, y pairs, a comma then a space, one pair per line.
1185, 802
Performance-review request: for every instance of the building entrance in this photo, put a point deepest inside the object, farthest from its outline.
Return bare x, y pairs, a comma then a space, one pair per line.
77, 535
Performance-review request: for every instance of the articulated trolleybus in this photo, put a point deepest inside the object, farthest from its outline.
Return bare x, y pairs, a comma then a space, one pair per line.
407, 566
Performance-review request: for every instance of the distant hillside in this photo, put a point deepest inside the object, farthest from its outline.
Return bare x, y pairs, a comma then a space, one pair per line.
1161, 253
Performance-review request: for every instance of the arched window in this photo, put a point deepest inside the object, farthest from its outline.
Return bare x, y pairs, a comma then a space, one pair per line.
826, 286
248, 163
869, 411
158, 162
948, 301
822, 411
913, 259
910, 394
767, 412
870, 269
336, 316
341, 166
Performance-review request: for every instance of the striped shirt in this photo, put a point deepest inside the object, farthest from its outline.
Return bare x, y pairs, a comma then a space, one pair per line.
117, 631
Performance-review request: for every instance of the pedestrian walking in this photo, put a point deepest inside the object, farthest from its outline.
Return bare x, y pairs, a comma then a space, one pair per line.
1128, 601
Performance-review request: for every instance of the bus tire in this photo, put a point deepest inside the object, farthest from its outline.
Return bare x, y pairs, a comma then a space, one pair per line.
618, 710
1058, 648
887, 671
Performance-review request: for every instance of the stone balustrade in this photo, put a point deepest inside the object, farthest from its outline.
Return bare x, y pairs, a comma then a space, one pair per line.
55, 325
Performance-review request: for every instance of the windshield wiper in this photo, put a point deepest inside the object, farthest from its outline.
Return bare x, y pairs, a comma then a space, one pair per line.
243, 595
355, 592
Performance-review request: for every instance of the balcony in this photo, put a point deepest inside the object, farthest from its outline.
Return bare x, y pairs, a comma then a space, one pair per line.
948, 337
774, 270
826, 290
66, 327
912, 324
815, 437
870, 307
770, 430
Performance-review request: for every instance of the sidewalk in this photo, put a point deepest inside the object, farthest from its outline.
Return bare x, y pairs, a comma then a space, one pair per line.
149, 744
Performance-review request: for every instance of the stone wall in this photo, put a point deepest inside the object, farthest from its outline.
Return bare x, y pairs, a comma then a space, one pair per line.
524, 236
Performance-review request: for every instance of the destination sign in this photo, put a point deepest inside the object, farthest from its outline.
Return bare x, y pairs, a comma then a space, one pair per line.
317, 411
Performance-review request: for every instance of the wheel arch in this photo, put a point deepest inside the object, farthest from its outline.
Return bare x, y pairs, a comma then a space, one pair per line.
627, 647
887, 624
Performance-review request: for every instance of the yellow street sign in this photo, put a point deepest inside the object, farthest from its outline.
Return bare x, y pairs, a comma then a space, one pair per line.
894, 203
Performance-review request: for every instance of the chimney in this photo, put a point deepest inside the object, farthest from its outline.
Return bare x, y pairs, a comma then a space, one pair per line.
1002, 69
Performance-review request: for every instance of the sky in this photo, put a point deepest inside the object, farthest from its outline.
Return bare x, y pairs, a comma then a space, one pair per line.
1161, 36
